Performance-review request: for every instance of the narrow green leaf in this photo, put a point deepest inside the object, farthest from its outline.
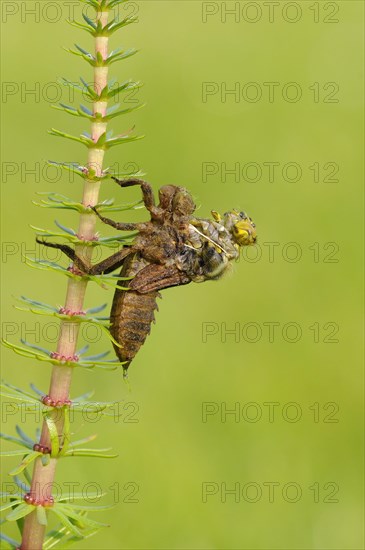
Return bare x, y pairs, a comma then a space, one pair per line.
80, 26
39, 305
91, 60
54, 537
82, 139
33, 346
114, 25
11, 495
114, 57
95, 453
86, 110
41, 515
83, 521
8, 543
10, 504
90, 89
96, 309
24, 436
85, 52
29, 405
27, 475
66, 432
83, 441
114, 114
79, 496
124, 87
23, 486
18, 441
66, 522
17, 390
89, 21
74, 85
20, 512
65, 229
24, 463
13, 453
83, 397
119, 140
92, 508
55, 442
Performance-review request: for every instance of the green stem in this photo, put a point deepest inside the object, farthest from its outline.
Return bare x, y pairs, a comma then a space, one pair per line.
59, 389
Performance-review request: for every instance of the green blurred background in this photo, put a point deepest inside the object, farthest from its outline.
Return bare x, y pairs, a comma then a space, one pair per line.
167, 456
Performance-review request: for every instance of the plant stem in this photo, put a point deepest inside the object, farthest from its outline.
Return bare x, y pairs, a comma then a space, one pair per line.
59, 390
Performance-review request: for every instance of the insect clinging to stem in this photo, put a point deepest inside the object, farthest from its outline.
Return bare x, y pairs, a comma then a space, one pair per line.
173, 248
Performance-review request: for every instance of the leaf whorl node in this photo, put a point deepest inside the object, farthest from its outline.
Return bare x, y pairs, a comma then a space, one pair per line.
49, 402
46, 502
67, 311
64, 358
41, 449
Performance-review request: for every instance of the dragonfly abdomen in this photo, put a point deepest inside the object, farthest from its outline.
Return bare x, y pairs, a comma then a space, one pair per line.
132, 314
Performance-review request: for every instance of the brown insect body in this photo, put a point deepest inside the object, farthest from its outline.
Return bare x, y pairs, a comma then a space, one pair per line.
132, 313
152, 267
171, 249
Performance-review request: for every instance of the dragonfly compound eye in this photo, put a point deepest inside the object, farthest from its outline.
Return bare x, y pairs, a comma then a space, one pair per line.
244, 232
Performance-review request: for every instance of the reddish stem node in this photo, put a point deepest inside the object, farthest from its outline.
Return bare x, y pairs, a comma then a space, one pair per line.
64, 358
49, 402
94, 238
75, 270
41, 449
46, 502
67, 311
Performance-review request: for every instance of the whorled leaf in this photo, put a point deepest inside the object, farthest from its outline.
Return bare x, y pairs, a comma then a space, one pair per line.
95, 28
58, 201
46, 309
101, 143
108, 92
81, 139
14, 393
83, 112
101, 280
42, 354
97, 60
71, 236
40, 308
19, 441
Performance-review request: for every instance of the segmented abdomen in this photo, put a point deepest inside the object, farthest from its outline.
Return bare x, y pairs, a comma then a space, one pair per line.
132, 313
